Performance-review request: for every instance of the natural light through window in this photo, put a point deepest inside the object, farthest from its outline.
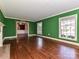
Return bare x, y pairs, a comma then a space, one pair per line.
39, 28
68, 27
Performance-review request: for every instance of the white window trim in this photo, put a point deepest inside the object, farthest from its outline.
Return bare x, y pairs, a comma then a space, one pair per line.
75, 27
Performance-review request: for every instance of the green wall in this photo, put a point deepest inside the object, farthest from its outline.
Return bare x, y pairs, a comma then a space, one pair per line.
51, 25
10, 27
32, 28
1, 16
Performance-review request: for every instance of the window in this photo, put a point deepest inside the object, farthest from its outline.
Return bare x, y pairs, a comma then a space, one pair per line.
68, 27
39, 28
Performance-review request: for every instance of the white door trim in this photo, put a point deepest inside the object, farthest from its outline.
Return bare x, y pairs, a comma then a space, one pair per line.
25, 23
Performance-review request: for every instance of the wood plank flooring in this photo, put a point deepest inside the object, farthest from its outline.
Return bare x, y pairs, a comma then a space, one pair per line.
41, 48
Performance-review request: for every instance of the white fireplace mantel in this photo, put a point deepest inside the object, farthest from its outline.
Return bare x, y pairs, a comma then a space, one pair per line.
1, 34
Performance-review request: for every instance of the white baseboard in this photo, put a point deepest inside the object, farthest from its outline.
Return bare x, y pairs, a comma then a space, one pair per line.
10, 37
30, 35
60, 40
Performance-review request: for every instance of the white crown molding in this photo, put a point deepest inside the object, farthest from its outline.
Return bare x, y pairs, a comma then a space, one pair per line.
59, 13
41, 18
19, 19
14, 17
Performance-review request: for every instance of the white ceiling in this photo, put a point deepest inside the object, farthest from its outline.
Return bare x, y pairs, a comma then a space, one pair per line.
36, 10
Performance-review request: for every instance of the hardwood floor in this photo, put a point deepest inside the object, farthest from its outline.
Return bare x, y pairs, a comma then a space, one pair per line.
41, 48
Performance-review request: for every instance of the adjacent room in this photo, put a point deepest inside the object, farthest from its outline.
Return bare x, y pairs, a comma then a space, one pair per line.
39, 29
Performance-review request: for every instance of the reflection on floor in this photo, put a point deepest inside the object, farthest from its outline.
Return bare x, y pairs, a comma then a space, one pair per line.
41, 48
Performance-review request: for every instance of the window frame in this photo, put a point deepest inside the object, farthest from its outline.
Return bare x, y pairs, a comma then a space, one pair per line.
38, 32
60, 19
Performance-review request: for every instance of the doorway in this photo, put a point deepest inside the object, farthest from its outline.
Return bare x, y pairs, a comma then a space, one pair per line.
22, 29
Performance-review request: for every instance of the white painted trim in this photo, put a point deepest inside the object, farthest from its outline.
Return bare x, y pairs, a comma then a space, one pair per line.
60, 13
44, 17
14, 17
32, 35
16, 28
28, 27
25, 23
68, 42
18, 19
10, 37
1, 37
75, 27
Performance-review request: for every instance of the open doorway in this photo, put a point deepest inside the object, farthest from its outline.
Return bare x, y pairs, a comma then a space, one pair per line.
22, 29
